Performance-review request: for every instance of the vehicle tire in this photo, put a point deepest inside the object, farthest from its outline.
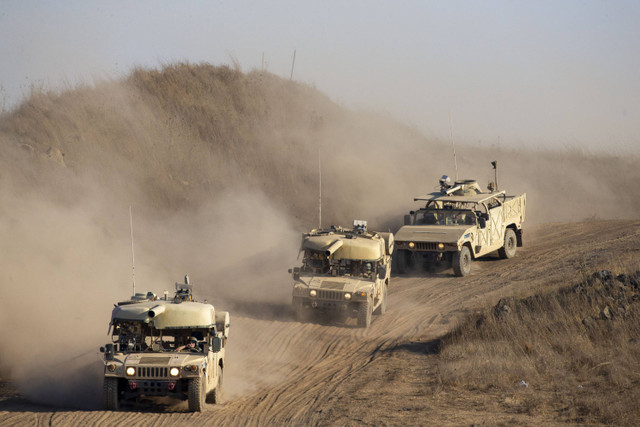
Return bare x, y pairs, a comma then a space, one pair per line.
215, 396
404, 261
364, 314
299, 310
196, 394
510, 245
111, 394
461, 262
382, 308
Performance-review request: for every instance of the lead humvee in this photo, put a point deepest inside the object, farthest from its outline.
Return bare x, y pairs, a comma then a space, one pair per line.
460, 223
173, 347
344, 271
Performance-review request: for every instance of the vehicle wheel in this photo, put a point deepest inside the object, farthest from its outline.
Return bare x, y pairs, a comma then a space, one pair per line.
404, 261
111, 395
382, 308
215, 396
510, 245
364, 314
299, 310
196, 394
461, 262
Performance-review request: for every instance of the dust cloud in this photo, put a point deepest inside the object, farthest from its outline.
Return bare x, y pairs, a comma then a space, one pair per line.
65, 267
58, 274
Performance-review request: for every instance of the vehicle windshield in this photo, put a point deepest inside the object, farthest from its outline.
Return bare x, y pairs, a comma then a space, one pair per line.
137, 337
316, 262
445, 217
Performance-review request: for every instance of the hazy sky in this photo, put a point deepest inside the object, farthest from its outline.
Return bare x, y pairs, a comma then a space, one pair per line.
542, 73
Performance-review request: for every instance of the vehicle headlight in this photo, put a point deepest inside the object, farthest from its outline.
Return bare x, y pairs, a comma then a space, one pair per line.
347, 296
131, 371
412, 245
441, 246
111, 367
313, 293
174, 372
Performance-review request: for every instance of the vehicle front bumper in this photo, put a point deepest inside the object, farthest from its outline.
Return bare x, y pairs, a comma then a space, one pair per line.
433, 247
323, 304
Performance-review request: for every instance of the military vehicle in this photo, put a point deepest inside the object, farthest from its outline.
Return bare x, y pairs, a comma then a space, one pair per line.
460, 223
173, 347
344, 271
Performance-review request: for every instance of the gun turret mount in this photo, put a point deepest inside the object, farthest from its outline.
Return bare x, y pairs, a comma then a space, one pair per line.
183, 291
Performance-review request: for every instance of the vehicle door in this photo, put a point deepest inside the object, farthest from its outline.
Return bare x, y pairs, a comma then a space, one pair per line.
483, 231
495, 225
211, 363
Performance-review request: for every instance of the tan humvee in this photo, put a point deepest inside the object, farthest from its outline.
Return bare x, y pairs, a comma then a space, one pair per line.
151, 355
343, 271
460, 223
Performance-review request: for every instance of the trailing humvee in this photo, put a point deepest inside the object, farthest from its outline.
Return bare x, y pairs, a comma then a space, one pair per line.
344, 271
173, 347
460, 223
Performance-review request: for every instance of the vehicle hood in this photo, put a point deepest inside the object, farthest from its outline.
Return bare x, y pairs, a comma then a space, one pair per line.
342, 283
432, 233
366, 248
167, 314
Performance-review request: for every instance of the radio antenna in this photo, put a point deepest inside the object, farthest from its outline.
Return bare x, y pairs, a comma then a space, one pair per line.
133, 258
455, 161
319, 192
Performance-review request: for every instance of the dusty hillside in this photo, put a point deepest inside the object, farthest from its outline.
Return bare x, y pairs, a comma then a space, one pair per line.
221, 170
180, 136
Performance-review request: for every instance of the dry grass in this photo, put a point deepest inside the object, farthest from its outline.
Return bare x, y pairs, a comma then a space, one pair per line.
577, 349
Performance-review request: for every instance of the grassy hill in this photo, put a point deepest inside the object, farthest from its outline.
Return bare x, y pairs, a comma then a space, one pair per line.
180, 136
576, 346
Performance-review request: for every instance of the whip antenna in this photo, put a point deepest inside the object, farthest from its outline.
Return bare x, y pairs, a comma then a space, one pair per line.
133, 258
293, 64
319, 192
495, 172
455, 161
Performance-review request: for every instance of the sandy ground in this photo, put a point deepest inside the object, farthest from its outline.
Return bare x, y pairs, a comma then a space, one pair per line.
323, 373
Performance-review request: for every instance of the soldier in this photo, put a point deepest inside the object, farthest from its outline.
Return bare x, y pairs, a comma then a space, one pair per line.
192, 345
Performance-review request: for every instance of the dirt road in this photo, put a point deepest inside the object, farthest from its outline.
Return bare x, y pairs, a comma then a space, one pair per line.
323, 373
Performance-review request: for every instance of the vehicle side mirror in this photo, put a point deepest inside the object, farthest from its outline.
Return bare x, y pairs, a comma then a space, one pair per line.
482, 222
382, 272
108, 351
216, 344
408, 220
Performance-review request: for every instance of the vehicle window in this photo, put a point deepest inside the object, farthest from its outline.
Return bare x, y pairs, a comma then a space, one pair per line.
446, 217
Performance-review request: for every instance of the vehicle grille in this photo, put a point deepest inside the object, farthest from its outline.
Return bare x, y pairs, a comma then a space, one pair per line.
152, 372
426, 246
330, 295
